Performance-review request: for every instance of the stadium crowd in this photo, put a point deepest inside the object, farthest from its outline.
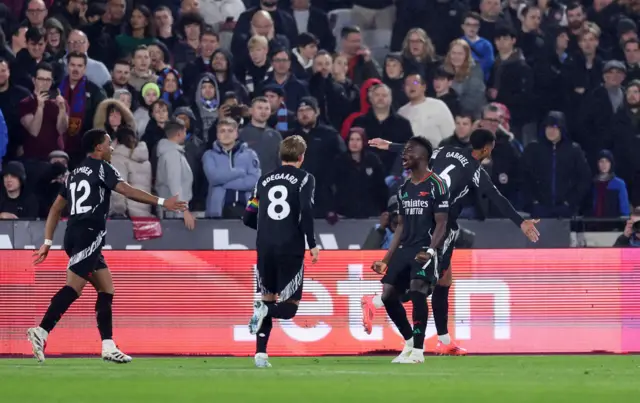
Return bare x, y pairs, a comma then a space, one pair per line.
558, 82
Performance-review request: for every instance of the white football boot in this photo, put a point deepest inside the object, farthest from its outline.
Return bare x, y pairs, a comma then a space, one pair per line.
38, 338
262, 360
260, 311
110, 352
406, 351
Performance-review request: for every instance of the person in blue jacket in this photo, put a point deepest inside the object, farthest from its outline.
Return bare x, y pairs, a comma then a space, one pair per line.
232, 169
481, 48
610, 197
4, 138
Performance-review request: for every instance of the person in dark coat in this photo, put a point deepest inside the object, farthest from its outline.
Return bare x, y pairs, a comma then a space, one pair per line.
419, 55
309, 18
194, 70
361, 191
222, 65
631, 50
442, 81
626, 142
159, 111
281, 119
460, 137
283, 21
393, 77
360, 62
610, 197
294, 89
557, 177
24, 66
254, 72
303, 55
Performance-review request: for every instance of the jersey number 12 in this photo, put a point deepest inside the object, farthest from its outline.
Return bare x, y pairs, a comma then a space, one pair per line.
84, 190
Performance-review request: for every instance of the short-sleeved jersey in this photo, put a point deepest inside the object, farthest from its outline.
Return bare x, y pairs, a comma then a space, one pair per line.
88, 193
417, 204
285, 198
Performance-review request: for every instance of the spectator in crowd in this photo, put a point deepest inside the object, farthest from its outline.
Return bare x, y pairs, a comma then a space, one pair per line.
131, 158
37, 114
16, 201
481, 49
96, 70
55, 38
339, 75
419, 55
206, 103
119, 79
361, 65
393, 77
189, 28
282, 20
160, 56
170, 83
552, 75
125, 97
231, 108
103, 32
493, 16
381, 234
314, 21
155, 131
468, 80
163, 18
281, 119
209, 43
233, 169
70, 15
83, 97
511, 83
626, 142
632, 59
4, 137
531, 38
442, 82
264, 140
173, 175
36, 13
334, 101
262, 25
556, 173
303, 56
429, 117
462, 133
294, 89
140, 30
222, 64
194, 148
610, 197
627, 30
576, 19
18, 41
323, 144
10, 97
150, 93
112, 115
51, 181
24, 66
553, 14
374, 14
255, 72
359, 172
94, 13
599, 110
631, 235
365, 105
189, 6
141, 72
219, 13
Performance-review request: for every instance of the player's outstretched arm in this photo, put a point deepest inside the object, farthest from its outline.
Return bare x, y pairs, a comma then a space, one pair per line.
386, 145
141, 196
55, 212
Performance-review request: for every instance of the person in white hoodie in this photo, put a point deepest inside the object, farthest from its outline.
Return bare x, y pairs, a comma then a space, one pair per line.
429, 117
218, 12
173, 174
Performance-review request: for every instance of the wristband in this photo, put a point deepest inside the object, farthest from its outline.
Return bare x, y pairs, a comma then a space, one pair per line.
160, 201
48, 242
431, 251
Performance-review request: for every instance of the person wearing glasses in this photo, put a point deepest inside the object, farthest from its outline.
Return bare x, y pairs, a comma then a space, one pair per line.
36, 13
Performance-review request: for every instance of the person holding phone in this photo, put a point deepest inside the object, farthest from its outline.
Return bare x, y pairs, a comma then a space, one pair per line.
630, 238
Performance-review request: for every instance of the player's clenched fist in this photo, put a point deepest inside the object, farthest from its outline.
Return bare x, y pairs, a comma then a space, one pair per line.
379, 267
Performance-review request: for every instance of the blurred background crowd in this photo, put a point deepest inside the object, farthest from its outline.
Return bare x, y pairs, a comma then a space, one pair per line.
558, 82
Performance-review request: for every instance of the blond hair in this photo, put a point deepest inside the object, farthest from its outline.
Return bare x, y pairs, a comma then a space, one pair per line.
429, 51
292, 148
258, 41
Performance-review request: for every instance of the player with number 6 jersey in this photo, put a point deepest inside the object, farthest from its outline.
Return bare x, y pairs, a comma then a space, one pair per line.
87, 193
281, 209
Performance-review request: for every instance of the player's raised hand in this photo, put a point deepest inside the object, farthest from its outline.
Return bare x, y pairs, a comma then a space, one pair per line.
315, 253
379, 267
379, 143
174, 204
41, 254
529, 229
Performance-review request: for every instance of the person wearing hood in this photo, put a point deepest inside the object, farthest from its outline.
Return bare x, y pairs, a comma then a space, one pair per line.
222, 65
264, 140
294, 89
150, 93
24, 66
255, 71
16, 202
304, 55
123, 95
56, 39
232, 169
173, 174
52, 181
610, 197
557, 176
141, 72
552, 76
393, 77
170, 83
194, 148
112, 115
131, 158
281, 119
511, 82
206, 103
365, 105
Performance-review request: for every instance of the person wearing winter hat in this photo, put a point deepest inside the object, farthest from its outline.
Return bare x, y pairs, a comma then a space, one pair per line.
170, 83
123, 95
15, 201
205, 104
150, 93
56, 38
610, 197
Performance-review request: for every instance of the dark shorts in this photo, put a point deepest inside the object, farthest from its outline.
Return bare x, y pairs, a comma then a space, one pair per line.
279, 273
84, 248
403, 268
447, 251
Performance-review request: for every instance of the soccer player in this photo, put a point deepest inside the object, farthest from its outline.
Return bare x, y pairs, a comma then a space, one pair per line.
87, 191
461, 169
282, 211
412, 259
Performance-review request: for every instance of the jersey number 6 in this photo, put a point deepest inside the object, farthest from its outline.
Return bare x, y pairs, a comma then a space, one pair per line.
444, 175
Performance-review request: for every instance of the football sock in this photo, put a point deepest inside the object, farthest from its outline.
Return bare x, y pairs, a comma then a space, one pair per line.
104, 315
420, 317
398, 315
404, 298
264, 332
283, 310
440, 306
377, 301
59, 305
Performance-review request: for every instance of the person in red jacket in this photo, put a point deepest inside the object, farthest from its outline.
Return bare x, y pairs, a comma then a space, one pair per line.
365, 105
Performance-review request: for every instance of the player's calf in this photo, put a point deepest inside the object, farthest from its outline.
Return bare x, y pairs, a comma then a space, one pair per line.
418, 293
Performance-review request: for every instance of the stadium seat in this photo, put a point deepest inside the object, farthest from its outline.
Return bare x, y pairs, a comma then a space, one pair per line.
339, 19
379, 41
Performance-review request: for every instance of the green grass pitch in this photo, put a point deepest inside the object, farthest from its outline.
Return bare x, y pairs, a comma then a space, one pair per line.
513, 379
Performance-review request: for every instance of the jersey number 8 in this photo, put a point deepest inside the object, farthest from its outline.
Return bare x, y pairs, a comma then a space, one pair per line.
83, 188
278, 202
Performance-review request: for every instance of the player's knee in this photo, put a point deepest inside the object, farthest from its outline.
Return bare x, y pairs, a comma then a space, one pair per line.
269, 298
388, 293
420, 286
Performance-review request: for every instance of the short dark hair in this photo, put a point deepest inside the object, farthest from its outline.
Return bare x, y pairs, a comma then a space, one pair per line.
280, 50
628, 41
424, 143
420, 78
77, 55
480, 138
173, 127
44, 66
92, 138
123, 62
124, 133
490, 108
139, 48
162, 8
466, 115
473, 15
348, 30
191, 18
292, 148
35, 34
573, 5
259, 99
208, 30
95, 10
527, 9
504, 31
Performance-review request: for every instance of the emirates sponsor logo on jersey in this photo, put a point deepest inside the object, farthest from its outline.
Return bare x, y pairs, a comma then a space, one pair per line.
414, 207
